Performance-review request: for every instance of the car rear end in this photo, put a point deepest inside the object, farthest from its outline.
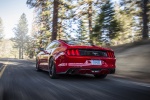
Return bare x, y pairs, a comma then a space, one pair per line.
87, 60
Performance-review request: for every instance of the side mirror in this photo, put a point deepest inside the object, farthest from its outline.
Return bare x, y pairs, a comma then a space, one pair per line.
41, 49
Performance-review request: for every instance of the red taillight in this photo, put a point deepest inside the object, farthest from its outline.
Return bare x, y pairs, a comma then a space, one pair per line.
73, 52
68, 52
110, 54
77, 52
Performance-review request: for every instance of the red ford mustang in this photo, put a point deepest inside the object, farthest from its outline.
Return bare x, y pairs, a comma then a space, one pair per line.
72, 57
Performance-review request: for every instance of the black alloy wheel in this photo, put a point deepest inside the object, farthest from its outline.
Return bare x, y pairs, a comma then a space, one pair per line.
52, 69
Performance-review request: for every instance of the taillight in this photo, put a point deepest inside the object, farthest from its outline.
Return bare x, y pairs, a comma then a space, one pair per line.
68, 52
73, 52
77, 52
110, 54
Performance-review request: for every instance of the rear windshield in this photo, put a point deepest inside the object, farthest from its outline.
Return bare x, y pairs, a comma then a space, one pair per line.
78, 43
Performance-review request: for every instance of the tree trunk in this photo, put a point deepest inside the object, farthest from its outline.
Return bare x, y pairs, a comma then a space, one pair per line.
22, 53
145, 19
19, 52
55, 19
60, 30
90, 21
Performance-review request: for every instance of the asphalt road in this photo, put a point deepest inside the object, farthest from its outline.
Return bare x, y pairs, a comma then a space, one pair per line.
1, 65
20, 81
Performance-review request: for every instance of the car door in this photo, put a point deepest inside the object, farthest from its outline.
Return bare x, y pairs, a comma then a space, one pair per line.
51, 50
43, 58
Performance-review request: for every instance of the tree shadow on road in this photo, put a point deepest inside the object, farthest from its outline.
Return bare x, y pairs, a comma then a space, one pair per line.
75, 77
81, 77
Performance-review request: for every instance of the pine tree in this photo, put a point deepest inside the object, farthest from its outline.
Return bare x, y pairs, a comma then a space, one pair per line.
81, 32
140, 11
90, 12
45, 22
107, 27
1, 29
41, 30
30, 47
65, 17
125, 35
86, 11
55, 20
145, 10
20, 32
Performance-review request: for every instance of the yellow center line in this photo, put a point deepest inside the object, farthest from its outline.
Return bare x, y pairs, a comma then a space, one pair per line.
3, 69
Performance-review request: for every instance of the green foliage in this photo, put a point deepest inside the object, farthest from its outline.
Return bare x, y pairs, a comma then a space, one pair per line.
20, 32
100, 21
106, 27
81, 32
139, 9
41, 30
125, 35
30, 47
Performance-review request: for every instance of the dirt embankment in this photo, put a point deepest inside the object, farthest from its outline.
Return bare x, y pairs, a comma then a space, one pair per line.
133, 60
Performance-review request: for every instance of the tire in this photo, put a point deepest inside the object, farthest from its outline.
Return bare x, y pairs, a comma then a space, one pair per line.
100, 76
52, 69
37, 66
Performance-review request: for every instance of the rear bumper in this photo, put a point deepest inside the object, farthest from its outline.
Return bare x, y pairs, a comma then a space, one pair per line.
89, 71
83, 65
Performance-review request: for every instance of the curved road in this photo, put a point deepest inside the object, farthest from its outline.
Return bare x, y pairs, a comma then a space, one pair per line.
20, 81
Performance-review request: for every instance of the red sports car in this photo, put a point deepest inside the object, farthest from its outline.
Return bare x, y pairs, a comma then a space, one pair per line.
73, 57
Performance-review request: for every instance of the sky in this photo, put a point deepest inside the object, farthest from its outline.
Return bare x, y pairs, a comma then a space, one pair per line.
10, 12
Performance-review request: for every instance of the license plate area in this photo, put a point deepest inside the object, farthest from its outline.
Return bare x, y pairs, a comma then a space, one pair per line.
96, 62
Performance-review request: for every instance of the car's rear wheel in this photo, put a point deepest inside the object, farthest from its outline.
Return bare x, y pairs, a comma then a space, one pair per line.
52, 69
101, 76
37, 66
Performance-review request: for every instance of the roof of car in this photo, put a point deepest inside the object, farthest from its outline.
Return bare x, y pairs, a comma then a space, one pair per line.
75, 42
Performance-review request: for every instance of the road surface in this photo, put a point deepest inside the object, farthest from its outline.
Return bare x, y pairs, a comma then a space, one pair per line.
20, 81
